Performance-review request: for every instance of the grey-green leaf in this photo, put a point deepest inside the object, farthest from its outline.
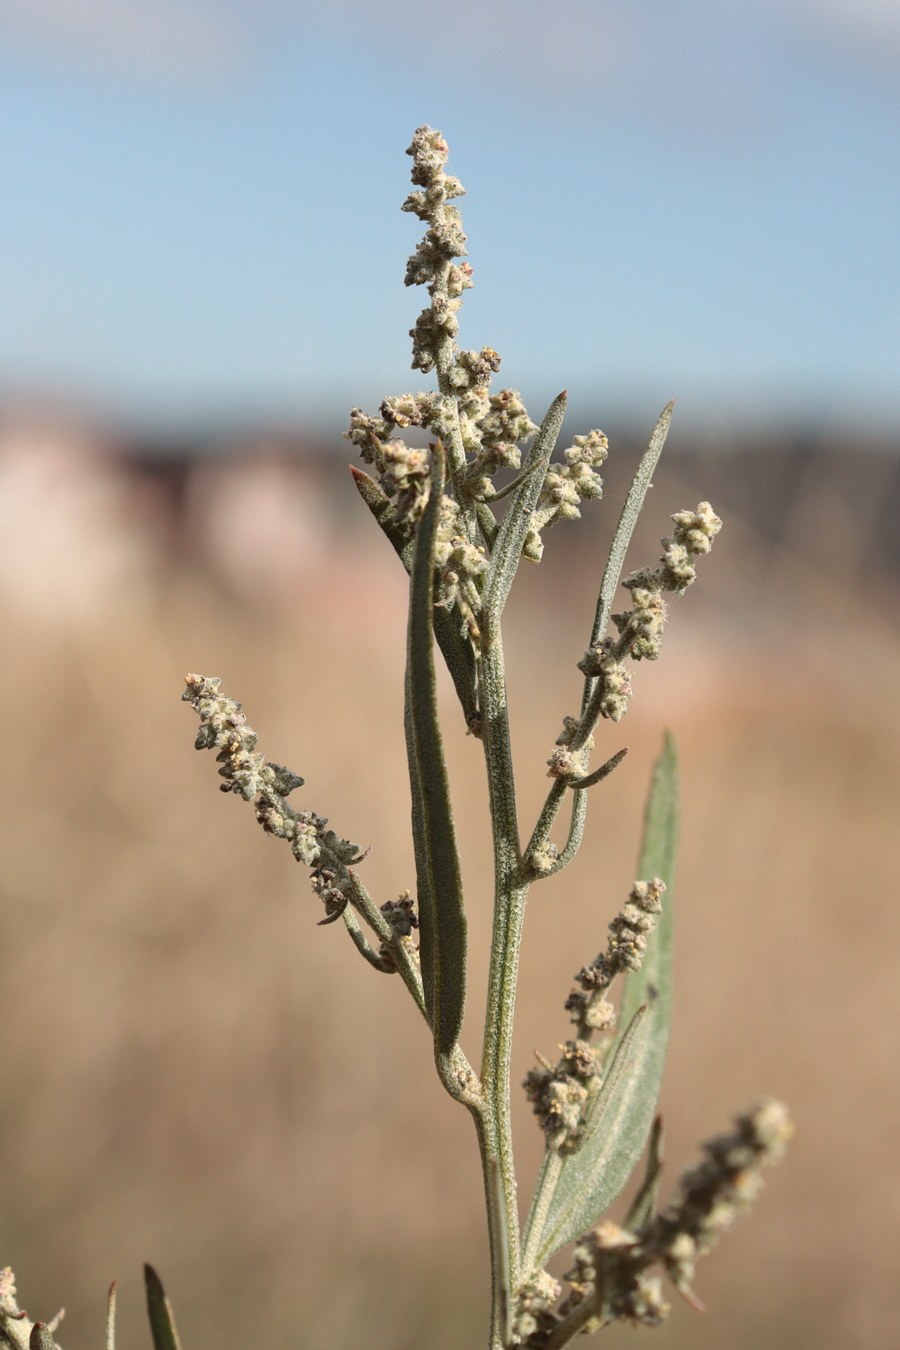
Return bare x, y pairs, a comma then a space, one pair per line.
643, 1206
442, 918
590, 1179
507, 550
449, 629
627, 521
41, 1338
159, 1310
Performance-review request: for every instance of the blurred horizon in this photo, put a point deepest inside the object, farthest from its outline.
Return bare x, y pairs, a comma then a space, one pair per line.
204, 231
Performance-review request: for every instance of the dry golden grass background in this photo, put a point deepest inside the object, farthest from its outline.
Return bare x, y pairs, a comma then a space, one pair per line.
194, 1074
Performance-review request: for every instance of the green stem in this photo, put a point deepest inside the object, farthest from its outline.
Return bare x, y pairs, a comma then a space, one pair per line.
361, 942
579, 815
574, 1324
502, 1280
549, 812
576, 834
364, 905
543, 1194
517, 482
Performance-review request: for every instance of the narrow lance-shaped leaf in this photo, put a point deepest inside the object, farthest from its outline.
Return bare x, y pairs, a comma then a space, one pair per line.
627, 521
507, 549
424, 894
449, 629
442, 918
159, 1310
643, 1206
590, 1179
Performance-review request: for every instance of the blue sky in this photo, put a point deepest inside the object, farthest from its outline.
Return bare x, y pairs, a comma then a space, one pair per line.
202, 225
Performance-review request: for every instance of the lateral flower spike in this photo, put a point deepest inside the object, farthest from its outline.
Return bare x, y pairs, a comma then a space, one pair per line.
331, 859
223, 726
565, 486
625, 950
721, 1188
641, 627
610, 1279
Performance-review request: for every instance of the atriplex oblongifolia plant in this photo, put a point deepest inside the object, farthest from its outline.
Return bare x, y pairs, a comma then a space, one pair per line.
596, 1105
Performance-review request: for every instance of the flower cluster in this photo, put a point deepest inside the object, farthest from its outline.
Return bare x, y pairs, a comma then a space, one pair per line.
565, 486
625, 950
603, 663
610, 1277
461, 564
712, 1195
401, 915
246, 772
432, 263
403, 473
604, 1270
406, 478
568, 763
483, 432
224, 727
534, 1315
493, 428
559, 1094
641, 627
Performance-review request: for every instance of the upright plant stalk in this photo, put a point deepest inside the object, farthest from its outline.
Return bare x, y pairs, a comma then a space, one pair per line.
596, 1104
510, 882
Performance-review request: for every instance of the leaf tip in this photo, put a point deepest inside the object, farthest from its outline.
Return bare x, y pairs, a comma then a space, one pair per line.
691, 1298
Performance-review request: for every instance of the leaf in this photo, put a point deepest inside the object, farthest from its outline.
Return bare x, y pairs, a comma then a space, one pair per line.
40, 1338
379, 503
111, 1317
643, 1207
449, 628
589, 1180
507, 549
581, 784
627, 521
159, 1310
442, 919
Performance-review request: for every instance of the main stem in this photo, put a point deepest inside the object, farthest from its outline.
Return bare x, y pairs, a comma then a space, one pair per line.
510, 892
492, 1116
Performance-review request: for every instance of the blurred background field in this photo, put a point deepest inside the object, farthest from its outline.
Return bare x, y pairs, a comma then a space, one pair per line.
201, 258
196, 1074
